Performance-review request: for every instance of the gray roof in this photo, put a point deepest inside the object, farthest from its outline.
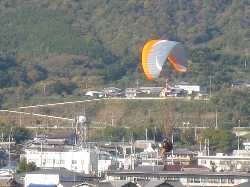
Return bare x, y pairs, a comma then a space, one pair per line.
116, 183
158, 170
246, 184
6, 181
152, 183
155, 183
183, 151
64, 175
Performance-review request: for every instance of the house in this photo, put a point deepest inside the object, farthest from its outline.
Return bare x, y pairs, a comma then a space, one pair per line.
151, 183
55, 177
54, 153
7, 177
190, 178
240, 84
151, 90
239, 160
94, 94
188, 87
130, 92
7, 182
180, 156
111, 91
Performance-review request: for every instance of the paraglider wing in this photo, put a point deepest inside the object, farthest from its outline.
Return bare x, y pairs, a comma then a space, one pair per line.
156, 52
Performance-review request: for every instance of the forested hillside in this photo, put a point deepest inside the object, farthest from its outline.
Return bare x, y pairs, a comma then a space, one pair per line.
57, 48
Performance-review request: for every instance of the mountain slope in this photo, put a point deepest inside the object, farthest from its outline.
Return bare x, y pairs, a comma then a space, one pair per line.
98, 42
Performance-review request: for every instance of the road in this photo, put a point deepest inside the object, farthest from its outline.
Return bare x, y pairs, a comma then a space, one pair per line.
111, 98
81, 101
39, 115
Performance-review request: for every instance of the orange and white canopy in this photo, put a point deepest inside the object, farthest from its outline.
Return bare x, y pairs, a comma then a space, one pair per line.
156, 52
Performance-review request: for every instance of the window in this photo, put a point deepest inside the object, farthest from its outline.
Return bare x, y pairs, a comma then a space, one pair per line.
62, 162
231, 181
223, 180
197, 180
203, 161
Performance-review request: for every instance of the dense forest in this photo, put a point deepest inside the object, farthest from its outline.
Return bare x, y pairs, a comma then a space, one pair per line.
60, 48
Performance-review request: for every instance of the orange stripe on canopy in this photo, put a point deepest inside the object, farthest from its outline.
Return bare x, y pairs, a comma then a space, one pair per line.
145, 52
172, 61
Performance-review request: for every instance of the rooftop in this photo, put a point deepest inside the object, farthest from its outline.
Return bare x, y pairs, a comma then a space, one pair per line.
158, 170
64, 175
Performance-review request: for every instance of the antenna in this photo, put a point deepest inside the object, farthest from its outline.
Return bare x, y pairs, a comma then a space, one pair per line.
208, 147
112, 119
210, 86
172, 152
9, 150
216, 118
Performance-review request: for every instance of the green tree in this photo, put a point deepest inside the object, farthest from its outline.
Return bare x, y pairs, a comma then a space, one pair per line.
187, 137
23, 166
220, 140
21, 134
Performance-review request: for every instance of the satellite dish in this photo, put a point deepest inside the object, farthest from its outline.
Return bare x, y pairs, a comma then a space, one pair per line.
82, 119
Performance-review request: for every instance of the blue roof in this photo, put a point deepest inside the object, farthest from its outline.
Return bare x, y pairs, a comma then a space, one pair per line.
42, 185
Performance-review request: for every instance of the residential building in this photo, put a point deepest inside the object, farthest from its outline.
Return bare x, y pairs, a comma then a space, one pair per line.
60, 177
188, 87
240, 84
111, 91
239, 160
73, 158
180, 156
150, 90
190, 178
94, 94
130, 92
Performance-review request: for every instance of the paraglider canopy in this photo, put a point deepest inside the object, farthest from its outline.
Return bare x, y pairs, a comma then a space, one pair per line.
156, 52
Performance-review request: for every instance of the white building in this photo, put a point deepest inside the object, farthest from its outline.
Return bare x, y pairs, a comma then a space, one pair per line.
188, 87
41, 179
195, 178
94, 94
77, 159
130, 92
239, 160
151, 90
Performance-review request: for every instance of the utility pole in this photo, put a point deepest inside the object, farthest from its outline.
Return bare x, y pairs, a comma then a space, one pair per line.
112, 119
20, 120
154, 132
208, 147
9, 151
172, 152
44, 89
210, 86
238, 142
216, 118
195, 133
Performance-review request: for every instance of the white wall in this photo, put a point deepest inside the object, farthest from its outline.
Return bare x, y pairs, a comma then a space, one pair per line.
41, 179
103, 165
189, 88
78, 161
